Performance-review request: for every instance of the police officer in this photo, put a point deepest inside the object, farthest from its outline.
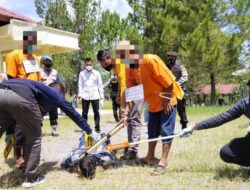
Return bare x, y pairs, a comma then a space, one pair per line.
50, 75
181, 75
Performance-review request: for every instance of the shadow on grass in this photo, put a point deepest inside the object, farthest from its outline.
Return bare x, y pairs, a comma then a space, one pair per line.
231, 174
10, 162
14, 178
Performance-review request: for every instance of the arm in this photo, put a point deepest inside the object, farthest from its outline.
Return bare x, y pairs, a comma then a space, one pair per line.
236, 111
66, 107
184, 75
11, 65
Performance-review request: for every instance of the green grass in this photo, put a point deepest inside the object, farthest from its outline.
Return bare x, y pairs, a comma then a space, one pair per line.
194, 162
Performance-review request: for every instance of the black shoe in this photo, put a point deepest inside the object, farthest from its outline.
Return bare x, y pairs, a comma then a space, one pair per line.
129, 155
98, 130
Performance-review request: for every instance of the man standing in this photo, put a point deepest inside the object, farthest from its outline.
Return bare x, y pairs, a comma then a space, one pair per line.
153, 80
181, 76
22, 64
134, 121
90, 90
49, 75
25, 102
237, 150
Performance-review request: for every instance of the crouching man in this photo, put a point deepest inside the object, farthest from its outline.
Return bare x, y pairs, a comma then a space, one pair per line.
237, 150
25, 102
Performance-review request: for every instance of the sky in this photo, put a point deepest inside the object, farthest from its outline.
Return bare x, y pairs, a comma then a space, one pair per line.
27, 7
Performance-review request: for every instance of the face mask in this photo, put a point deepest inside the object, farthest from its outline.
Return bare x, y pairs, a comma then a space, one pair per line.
89, 68
30, 48
48, 66
108, 68
171, 62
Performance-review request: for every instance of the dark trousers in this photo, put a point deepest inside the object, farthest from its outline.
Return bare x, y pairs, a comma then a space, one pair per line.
115, 107
16, 130
237, 151
95, 106
53, 116
181, 108
27, 115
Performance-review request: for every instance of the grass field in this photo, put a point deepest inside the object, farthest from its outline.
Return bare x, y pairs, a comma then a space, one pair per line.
194, 162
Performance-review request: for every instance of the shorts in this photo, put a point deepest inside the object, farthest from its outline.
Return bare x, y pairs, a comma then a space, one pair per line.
161, 124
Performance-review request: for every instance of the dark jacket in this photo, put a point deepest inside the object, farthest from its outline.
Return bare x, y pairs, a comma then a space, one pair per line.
47, 99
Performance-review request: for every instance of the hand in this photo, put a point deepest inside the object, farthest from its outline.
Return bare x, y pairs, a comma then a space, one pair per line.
96, 136
167, 106
186, 132
123, 115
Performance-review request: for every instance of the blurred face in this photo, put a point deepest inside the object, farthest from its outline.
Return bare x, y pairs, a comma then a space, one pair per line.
171, 60
29, 41
88, 65
47, 64
107, 63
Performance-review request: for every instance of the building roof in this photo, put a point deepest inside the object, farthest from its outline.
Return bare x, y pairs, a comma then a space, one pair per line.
6, 15
220, 88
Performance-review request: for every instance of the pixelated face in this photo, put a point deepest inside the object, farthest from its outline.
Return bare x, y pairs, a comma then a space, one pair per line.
29, 41
129, 54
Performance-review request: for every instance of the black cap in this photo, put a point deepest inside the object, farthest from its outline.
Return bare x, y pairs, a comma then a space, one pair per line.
248, 83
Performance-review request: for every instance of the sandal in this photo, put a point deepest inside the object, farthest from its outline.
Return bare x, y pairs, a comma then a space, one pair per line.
159, 170
143, 162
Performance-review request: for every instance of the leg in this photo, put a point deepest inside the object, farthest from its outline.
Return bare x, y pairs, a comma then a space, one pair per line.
237, 151
85, 108
167, 129
53, 116
153, 132
29, 117
181, 108
115, 108
19, 146
134, 125
95, 106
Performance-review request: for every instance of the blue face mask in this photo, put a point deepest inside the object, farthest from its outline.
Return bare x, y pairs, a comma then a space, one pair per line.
30, 49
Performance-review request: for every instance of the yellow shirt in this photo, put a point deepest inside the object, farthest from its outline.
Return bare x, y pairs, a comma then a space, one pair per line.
15, 68
155, 77
120, 71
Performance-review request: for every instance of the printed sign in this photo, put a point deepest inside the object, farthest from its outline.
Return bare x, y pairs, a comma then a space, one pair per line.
31, 66
134, 93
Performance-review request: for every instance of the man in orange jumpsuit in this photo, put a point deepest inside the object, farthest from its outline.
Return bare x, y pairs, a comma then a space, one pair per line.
156, 83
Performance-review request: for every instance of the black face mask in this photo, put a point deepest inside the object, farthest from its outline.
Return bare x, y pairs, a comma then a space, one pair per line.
48, 66
171, 62
109, 67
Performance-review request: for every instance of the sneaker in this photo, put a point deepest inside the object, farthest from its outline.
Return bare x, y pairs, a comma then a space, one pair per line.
130, 155
33, 183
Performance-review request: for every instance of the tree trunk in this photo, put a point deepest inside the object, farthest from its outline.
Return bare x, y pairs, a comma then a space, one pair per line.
213, 90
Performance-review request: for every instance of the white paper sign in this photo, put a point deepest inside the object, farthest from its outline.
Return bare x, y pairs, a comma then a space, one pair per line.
134, 93
31, 66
